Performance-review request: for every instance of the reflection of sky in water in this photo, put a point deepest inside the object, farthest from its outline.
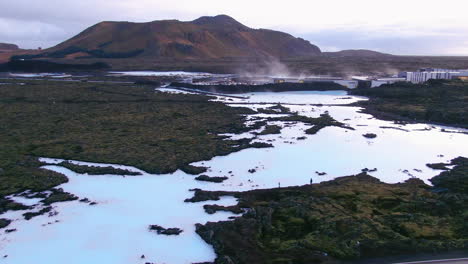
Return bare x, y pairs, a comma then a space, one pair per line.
115, 230
301, 97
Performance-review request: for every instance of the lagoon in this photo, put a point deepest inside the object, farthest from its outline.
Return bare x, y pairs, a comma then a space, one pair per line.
115, 230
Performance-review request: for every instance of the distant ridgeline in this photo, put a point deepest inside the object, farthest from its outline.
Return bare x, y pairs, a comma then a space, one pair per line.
8, 47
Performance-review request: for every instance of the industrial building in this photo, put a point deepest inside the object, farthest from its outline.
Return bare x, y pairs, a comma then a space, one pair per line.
426, 74
369, 82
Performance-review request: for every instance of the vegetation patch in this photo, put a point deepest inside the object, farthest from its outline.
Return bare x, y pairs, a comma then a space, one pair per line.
276, 109
349, 218
107, 123
4, 222
165, 231
211, 179
437, 101
193, 170
370, 135
29, 215
455, 180
214, 208
57, 196
318, 123
270, 130
94, 170
8, 204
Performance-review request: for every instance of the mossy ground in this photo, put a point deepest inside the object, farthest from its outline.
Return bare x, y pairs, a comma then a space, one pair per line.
109, 123
437, 101
93, 170
318, 123
348, 218
270, 130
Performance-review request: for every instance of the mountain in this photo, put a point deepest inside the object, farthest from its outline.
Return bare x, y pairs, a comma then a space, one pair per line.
6, 47
204, 38
356, 53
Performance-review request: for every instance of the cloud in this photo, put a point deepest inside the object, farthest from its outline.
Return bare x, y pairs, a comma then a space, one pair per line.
399, 26
35, 33
449, 42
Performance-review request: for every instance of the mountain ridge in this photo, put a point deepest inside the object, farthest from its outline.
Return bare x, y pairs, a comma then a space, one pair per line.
355, 53
203, 38
6, 47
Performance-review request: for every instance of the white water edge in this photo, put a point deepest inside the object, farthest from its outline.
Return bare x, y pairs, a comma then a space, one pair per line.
116, 229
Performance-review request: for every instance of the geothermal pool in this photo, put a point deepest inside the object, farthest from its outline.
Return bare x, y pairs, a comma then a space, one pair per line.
115, 230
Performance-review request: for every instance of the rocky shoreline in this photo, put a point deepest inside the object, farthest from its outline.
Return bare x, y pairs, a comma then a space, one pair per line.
112, 123
437, 102
270, 87
346, 219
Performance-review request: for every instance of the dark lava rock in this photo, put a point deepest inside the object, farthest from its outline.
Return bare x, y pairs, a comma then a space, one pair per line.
370, 135
213, 208
85, 200
4, 222
211, 179
8, 204
193, 170
165, 231
260, 145
10, 230
301, 138
201, 196
455, 180
438, 166
349, 218
58, 195
270, 130
252, 170
321, 173
94, 170
276, 109
30, 215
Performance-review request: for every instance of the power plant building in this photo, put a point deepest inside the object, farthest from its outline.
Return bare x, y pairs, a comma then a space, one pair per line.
427, 74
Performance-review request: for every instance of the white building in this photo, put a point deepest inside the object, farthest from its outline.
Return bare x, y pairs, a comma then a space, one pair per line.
427, 74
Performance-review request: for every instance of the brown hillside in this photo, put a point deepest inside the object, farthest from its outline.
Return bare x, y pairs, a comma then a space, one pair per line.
207, 38
6, 47
356, 53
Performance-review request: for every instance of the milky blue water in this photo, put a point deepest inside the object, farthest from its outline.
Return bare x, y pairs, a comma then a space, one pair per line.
115, 229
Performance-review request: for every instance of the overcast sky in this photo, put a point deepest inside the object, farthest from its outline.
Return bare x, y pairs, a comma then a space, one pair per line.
407, 27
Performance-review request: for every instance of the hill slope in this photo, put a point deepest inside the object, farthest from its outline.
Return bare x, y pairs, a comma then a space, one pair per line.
4, 47
204, 38
356, 53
